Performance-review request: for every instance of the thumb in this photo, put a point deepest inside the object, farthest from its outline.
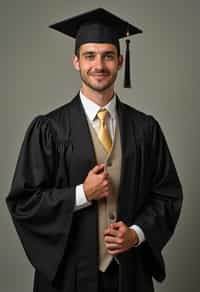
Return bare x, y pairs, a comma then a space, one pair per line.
117, 225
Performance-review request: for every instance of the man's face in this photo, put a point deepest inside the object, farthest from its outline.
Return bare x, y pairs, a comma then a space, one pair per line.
98, 65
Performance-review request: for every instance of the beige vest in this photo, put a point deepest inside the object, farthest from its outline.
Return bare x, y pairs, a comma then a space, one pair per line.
107, 208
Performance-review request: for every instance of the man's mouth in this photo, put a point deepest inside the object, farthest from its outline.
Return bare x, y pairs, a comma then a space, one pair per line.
99, 74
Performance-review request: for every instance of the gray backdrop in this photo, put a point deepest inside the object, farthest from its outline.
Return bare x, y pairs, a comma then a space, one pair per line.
36, 75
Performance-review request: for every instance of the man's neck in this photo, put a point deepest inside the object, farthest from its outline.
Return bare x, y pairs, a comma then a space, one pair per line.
100, 98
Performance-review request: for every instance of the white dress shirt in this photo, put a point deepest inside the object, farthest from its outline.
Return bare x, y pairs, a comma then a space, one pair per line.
91, 109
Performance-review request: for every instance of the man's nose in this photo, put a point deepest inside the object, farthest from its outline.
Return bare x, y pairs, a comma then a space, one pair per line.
99, 62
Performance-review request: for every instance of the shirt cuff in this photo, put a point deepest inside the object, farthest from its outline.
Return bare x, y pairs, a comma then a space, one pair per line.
81, 200
140, 234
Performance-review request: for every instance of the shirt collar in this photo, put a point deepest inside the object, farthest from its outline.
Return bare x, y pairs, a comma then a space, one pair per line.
91, 108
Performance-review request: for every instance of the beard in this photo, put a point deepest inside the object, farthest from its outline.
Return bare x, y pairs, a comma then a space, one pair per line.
98, 86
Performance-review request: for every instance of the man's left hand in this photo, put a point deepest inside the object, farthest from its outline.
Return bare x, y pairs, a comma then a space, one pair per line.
118, 237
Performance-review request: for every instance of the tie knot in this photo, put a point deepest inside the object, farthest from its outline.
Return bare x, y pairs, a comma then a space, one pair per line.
102, 114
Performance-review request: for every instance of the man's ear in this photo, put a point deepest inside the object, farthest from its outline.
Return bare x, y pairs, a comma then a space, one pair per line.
75, 61
120, 61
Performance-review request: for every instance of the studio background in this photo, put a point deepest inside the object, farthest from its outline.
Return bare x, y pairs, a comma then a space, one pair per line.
36, 75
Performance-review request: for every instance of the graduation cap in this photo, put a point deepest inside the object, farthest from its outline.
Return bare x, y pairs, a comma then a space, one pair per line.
99, 26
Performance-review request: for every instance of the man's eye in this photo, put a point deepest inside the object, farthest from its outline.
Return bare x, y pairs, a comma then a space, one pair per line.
109, 57
89, 57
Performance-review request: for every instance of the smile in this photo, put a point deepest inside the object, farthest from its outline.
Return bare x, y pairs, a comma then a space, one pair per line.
99, 74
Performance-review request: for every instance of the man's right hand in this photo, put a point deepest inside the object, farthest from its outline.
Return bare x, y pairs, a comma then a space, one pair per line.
97, 184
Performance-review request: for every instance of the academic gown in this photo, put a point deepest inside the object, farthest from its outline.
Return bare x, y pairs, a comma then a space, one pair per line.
62, 244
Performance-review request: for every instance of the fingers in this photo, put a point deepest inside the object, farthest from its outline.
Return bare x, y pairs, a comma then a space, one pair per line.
97, 169
118, 225
109, 241
116, 229
113, 236
112, 246
110, 232
117, 238
97, 184
103, 176
115, 252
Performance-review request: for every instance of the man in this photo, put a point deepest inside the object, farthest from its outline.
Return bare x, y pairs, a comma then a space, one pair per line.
95, 195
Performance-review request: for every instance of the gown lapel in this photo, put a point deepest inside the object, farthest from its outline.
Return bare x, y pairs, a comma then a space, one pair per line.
128, 180
83, 158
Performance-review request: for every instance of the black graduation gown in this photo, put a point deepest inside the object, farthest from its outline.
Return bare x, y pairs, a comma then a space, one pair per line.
62, 245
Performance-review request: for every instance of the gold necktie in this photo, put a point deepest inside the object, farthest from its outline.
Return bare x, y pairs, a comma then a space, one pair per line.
103, 133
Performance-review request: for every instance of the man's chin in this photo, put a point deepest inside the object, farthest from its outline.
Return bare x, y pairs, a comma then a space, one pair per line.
101, 85
100, 88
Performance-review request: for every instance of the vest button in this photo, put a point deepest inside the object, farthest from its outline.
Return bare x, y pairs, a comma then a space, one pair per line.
109, 163
112, 216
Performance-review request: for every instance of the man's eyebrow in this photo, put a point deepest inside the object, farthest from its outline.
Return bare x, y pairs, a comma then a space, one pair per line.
88, 53
109, 52
94, 52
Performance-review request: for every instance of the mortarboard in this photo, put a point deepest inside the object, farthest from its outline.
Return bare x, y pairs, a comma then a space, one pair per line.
99, 26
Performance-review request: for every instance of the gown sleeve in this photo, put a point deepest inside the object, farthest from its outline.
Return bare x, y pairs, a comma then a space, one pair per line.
159, 215
41, 212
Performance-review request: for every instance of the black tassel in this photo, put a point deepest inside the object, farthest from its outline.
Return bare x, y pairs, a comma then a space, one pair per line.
127, 77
